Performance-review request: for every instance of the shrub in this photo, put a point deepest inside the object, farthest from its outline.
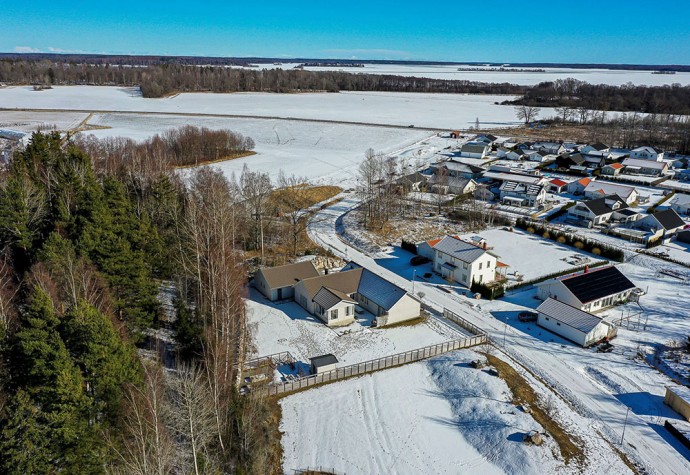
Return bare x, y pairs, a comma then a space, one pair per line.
561, 239
488, 292
546, 235
530, 230
409, 246
579, 245
596, 251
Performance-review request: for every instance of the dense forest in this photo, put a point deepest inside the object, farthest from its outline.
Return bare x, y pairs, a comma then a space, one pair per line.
157, 80
85, 249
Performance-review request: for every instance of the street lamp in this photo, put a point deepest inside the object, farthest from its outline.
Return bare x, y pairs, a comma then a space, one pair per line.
627, 411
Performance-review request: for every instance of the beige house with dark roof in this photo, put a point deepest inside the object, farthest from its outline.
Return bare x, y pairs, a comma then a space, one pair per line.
278, 283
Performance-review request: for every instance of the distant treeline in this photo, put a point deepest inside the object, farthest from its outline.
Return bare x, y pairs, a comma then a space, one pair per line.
669, 99
158, 80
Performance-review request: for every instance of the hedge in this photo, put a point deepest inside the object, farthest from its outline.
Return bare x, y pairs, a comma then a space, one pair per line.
578, 242
488, 292
409, 246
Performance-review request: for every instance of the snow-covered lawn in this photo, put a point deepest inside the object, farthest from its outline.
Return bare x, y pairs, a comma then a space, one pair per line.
530, 255
277, 327
440, 416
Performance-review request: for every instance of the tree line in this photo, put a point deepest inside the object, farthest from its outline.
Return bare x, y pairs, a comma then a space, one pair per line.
84, 249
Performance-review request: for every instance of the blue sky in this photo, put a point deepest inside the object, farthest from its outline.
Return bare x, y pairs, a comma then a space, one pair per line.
583, 31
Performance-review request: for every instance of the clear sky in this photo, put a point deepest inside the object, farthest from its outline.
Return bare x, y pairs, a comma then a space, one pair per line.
583, 31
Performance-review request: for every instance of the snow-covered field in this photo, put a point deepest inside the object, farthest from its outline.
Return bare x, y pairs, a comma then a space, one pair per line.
320, 151
440, 416
448, 71
288, 327
442, 111
29, 121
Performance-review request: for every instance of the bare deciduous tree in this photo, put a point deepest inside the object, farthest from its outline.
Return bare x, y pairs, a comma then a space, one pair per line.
527, 113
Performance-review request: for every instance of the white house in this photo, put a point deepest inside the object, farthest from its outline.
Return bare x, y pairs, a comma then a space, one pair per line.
636, 166
277, 283
680, 203
664, 223
591, 291
517, 193
573, 324
552, 148
557, 185
647, 153
602, 210
475, 150
464, 263
451, 184
613, 169
577, 187
594, 149
599, 189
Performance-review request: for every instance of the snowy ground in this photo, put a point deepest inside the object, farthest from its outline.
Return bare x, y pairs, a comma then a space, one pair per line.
450, 71
442, 111
29, 121
532, 256
440, 416
278, 327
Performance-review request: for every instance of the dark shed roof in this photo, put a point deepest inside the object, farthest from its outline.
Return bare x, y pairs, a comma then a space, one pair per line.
323, 360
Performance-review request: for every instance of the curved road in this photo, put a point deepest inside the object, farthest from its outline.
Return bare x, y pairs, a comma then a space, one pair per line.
642, 443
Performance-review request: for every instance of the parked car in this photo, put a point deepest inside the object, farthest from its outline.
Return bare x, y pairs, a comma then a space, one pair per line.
528, 316
419, 260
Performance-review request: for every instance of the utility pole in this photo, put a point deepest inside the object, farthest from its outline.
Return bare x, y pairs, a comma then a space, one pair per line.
627, 411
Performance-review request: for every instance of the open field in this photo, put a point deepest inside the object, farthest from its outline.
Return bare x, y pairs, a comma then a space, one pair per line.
450, 71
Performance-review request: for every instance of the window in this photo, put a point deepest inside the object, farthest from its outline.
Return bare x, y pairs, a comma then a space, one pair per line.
558, 323
480, 266
334, 314
348, 311
488, 264
547, 318
464, 265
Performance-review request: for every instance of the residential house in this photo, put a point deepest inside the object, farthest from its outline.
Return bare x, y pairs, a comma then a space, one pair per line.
502, 152
557, 185
635, 166
537, 155
647, 153
613, 169
450, 184
517, 154
601, 210
486, 193
426, 248
462, 262
569, 160
474, 150
662, 223
594, 161
277, 283
453, 168
486, 138
517, 193
577, 187
412, 182
592, 290
595, 148
598, 189
680, 203
553, 148
573, 323
524, 146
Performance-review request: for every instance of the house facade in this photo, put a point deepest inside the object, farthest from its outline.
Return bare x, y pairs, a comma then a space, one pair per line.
663, 223
613, 169
599, 189
590, 291
459, 261
577, 187
516, 193
647, 153
278, 283
635, 166
475, 150
600, 210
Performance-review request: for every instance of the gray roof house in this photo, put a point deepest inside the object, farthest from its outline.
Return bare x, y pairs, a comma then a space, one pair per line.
474, 150
573, 323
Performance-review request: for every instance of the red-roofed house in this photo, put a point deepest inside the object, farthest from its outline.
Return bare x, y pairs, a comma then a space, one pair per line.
557, 186
578, 187
612, 169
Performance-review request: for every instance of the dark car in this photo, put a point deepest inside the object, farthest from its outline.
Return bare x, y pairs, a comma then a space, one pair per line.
528, 316
419, 260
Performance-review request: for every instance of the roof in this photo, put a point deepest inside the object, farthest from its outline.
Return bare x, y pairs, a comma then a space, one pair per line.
601, 206
411, 179
329, 298
526, 189
558, 182
599, 146
383, 293
583, 181
345, 281
323, 360
461, 167
597, 284
575, 158
503, 176
288, 275
604, 188
474, 148
493, 138
569, 315
459, 249
617, 166
680, 199
647, 149
640, 163
669, 219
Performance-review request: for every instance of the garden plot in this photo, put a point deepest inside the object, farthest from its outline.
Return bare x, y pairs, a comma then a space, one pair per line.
532, 256
439, 416
288, 327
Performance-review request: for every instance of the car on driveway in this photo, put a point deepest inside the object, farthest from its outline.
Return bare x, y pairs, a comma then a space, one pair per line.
528, 316
419, 260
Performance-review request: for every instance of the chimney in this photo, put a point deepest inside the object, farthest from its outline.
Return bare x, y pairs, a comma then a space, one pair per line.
586, 269
485, 245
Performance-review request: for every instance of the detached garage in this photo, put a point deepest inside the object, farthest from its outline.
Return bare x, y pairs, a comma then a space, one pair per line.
573, 324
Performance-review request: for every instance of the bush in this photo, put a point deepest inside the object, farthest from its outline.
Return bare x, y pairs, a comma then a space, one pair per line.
579, 245
530, 230
561, 239
409, 246
596, 251
546, 235
492, 292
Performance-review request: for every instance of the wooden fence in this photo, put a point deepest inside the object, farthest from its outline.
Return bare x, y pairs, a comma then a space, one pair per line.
461, 322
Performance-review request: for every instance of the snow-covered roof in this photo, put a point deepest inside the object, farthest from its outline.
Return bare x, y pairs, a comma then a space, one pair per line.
513, 177
647, 149
680, 199
459, 249
604, 188
639, 163
568, 315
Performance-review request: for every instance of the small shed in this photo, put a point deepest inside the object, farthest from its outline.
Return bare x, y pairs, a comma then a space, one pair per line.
323, 364
572, 323
678, 398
